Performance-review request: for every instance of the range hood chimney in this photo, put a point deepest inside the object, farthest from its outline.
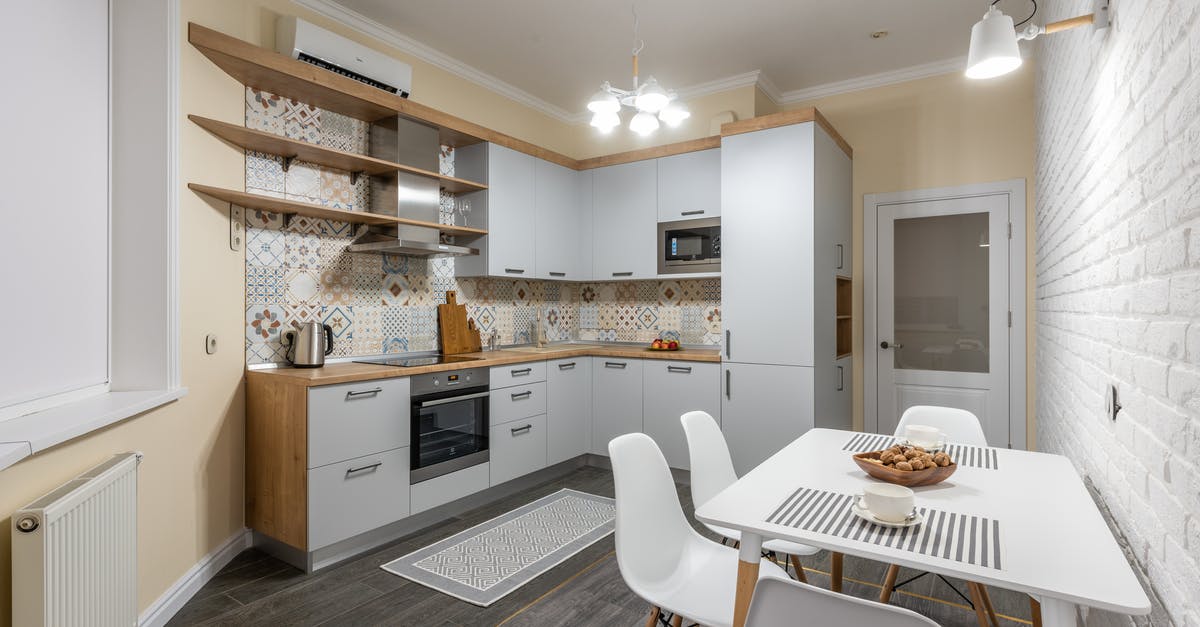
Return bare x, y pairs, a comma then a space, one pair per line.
405, 195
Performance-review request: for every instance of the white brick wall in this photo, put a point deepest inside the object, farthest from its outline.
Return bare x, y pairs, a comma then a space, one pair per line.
1118, 274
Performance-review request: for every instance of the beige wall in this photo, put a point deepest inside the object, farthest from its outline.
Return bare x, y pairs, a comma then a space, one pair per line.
936, 132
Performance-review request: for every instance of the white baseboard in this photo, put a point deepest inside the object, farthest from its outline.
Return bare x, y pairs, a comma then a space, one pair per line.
165, 607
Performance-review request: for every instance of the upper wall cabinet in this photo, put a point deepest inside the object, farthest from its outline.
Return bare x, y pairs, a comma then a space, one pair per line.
624, 220
508, 206
689, 185
557, 215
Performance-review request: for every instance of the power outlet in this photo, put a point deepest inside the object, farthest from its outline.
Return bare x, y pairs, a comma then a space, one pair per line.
1112, 404
210, 344
237, 228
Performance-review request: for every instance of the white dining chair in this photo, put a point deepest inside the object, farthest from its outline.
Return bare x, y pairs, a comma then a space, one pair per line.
778, 603
661, 558
959, 426
712, 471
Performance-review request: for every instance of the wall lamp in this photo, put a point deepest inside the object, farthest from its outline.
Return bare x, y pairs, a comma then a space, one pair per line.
994, 38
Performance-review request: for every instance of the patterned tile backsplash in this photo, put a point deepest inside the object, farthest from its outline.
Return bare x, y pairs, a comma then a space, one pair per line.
299, 270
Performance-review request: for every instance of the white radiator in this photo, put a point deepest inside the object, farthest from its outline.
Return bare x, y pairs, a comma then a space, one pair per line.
74, 551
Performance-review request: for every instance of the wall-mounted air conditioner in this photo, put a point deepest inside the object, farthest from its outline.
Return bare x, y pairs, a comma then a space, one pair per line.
304, 41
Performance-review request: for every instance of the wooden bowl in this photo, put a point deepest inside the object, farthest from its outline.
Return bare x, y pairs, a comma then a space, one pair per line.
910, 478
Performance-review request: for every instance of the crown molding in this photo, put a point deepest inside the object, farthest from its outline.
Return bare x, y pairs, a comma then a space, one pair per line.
394, 38
769, 88
870, 81
719, 85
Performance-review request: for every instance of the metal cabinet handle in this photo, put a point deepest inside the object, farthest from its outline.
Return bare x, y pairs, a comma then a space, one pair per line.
558, 274
521, 395
681, 369
350, 471
839, 256
696, 212
362, 393
515, 270
615, 364
728, 391
568, 366
622, 274
727, 344
520, 430
454, 399
520, 372
884, 345
841, 381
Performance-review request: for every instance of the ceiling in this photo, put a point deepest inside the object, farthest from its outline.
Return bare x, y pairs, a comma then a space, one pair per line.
559, 51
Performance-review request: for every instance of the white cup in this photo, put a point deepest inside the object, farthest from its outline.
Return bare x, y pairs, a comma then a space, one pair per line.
888, 501
923, 436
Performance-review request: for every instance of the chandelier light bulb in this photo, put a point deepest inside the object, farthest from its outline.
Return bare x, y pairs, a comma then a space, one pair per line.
643, 123
673, 115
606, 121
651, 97
604, 102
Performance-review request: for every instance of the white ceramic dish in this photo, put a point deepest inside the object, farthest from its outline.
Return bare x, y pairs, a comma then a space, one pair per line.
862, 512
936, 448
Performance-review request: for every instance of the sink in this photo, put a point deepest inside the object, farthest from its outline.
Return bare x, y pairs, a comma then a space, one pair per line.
545, 349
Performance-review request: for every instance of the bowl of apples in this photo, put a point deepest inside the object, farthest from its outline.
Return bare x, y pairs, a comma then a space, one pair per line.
664, 345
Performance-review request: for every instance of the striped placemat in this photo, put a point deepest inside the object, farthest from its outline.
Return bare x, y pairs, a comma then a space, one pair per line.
947, 535
962, 454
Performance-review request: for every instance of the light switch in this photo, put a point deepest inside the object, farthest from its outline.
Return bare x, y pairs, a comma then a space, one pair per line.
210, 344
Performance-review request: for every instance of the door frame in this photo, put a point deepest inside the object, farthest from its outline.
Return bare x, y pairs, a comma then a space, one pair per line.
1014, 189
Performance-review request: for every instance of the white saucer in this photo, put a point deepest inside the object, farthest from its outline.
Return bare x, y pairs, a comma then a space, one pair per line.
866, 515
930, 449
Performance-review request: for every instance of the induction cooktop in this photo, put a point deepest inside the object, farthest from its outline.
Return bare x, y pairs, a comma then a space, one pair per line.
414, 362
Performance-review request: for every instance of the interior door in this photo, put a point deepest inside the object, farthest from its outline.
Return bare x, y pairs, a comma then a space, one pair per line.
943, 310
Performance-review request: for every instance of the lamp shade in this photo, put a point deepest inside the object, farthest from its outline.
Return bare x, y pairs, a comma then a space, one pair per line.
674, 114
652, 97
606, 121
604, 102
994, 48
643, 123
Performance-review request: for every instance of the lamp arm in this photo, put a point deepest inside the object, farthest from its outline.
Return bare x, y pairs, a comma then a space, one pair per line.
1033, 30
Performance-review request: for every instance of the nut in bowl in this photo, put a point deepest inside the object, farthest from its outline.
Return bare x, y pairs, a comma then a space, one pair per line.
906, 465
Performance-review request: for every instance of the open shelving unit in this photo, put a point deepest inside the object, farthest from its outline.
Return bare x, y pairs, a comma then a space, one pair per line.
845, 319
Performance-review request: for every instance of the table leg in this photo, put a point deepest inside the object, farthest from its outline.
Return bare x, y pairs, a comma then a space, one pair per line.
749, 557
1058, 613
835, 572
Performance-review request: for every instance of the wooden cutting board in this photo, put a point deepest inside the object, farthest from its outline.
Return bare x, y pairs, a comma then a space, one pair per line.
457, 332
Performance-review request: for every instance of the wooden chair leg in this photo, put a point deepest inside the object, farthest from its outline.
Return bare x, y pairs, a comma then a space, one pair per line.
835, 574
654, 614
800, 575
977, 601
677, 621
1035, 612
987, 604
889, 584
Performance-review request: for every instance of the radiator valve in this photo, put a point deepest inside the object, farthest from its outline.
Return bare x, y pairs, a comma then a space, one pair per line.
28, 524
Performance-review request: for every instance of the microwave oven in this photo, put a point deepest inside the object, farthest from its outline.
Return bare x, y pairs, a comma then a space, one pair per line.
689, 246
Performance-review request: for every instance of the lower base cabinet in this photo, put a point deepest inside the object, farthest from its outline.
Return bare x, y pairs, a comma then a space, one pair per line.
616, 400
449, 487
517, 448
764, 408
671, 389
357, 495
568, 409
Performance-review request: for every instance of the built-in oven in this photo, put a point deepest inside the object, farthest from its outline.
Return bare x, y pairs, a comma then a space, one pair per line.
449, 422
688, 246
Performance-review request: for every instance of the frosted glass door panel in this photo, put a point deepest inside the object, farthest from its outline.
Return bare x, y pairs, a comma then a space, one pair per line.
941, 303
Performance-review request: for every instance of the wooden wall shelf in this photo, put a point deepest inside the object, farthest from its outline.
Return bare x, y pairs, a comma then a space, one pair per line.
844, 325
294, 207
270, 143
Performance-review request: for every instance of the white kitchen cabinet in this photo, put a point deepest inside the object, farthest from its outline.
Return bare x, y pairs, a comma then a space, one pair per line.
584, 238
450, 487
508, 250
557, 222
616, 400
671, 389
517, 448
357, 495
516, 374
625, 221
763, 409
569, 408
377, 410
689, 185
516, 403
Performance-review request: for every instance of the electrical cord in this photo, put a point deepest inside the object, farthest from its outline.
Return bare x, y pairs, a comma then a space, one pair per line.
1031, 14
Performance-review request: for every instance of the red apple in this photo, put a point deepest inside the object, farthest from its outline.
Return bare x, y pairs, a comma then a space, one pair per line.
674, 345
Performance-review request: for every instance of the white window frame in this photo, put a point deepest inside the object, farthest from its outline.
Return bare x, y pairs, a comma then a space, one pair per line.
143, 342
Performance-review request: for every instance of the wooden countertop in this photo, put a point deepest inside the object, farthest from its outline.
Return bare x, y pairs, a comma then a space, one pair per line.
350, 372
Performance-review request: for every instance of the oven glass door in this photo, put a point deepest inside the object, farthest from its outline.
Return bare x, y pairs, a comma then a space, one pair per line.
449, 427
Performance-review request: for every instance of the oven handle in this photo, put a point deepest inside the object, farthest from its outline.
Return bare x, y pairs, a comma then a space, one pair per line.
452, 399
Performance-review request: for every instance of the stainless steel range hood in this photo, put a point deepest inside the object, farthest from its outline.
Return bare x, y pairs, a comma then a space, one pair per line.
405, 195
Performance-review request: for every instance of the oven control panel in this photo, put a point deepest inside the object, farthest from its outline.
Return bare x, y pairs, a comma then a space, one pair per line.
448, 380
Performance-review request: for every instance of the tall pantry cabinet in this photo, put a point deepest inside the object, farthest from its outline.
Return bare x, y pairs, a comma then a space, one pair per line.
785, 231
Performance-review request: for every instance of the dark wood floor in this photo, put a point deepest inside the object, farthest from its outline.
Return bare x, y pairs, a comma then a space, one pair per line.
256, 589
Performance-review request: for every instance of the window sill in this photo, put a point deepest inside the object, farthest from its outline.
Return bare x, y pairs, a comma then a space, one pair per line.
26, 435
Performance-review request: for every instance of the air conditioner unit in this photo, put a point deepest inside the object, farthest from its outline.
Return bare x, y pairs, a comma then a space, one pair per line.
309, 43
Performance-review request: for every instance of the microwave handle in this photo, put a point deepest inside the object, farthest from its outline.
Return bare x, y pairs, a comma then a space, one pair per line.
453, 399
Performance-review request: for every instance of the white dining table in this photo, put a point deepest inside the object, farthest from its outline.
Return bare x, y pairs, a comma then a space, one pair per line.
1030, 524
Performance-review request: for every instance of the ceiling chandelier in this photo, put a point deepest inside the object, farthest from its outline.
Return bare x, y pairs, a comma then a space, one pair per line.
651, 101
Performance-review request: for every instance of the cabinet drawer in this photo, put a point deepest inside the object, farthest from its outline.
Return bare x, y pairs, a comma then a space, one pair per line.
354, 419
451, 487
517, 374
516, 402
518, 448
356, 496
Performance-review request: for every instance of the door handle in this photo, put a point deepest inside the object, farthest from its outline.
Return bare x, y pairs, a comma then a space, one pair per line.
521, 395
622, 274
567, 366
680, 369
519, 430
615, 364
520, 372
841, 381
558, 274
361, 393
727, 356
515, 270
839, 256
697, 212
350, 471
728, 391
884, 345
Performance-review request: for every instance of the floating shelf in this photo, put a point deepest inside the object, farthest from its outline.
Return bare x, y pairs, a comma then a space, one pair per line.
294, 207
270, 143
844, 324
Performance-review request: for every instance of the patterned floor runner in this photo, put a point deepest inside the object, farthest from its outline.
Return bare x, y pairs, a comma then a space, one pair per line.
489, 561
